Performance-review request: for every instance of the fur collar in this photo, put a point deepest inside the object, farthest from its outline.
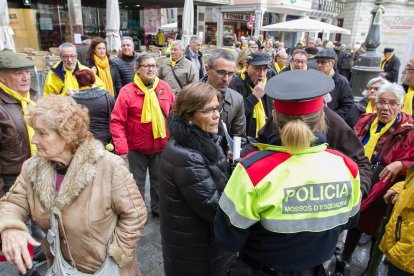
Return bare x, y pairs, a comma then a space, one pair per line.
80, 173
190, 136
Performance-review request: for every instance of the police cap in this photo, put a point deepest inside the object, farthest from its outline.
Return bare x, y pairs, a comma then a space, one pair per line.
11, 60
299, 92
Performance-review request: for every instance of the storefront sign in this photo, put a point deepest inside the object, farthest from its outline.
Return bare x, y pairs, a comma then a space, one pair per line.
236, 17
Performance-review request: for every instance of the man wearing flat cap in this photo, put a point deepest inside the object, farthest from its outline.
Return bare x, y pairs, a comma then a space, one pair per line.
293, 194
390, 63
15, 146
342, 99
250, 84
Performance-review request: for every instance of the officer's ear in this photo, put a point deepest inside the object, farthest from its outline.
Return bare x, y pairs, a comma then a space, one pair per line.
207, 69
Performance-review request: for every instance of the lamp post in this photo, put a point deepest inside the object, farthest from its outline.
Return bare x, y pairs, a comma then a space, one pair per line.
368, 63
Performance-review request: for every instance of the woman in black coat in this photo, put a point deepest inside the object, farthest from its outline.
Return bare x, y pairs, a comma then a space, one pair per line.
193, 173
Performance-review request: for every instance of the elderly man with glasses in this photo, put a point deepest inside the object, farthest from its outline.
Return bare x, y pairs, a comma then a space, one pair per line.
138, 124
408, 81
177, 70
61, 79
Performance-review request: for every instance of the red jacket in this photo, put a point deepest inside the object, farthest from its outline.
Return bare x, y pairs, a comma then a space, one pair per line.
128, 133
397, 144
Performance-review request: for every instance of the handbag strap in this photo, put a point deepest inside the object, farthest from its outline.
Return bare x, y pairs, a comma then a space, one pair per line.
176, 78
54, 225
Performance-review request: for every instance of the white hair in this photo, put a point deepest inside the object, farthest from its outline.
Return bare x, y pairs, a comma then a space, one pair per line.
394, 88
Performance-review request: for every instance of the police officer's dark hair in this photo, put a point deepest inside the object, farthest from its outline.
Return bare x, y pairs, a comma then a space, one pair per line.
297, 131
221, 53
143, 57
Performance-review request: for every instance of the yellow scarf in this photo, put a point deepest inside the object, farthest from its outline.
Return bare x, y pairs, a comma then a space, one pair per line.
104, 72
174, 63
331, 73
24, 101
408, 102
258, 111
278, 69
374, 137
151, 110
384, 61
69, 81
370, 108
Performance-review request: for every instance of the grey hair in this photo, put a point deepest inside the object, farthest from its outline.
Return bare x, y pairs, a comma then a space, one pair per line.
221, 53
194, 38
66, 45
371, 82
178, 42
143, 57
394, 88
128, 38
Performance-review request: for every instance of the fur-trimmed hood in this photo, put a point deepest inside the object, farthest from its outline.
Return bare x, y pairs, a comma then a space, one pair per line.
80, 173
190, 136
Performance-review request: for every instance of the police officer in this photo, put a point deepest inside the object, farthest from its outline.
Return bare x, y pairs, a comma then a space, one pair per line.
286, 204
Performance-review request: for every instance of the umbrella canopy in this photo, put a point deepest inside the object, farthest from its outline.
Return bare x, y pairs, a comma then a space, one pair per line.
305, 25
113, 38
169, 26
6, 32
188, 21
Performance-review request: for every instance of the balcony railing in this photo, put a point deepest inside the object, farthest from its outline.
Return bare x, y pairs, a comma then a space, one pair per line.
327, 5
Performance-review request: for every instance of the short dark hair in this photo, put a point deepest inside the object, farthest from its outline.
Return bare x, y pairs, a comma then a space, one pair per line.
85, 77
143, 57
221, 53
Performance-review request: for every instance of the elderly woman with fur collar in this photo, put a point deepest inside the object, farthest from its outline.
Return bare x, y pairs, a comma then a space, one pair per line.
99, 209
194, 173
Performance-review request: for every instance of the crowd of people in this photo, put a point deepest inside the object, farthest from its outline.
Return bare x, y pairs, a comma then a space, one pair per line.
314, 163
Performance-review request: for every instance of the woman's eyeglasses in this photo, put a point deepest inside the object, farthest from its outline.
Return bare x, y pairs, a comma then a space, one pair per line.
210, 111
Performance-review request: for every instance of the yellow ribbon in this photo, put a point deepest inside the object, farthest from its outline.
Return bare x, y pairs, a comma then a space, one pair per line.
258, 110
383, 61
370, 108
374, 137
278, 69
24, 101
151, 110
408, 102
104, 72
174, 63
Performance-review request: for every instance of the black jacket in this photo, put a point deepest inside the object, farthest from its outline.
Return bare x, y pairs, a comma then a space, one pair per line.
342, 99
187, 55
193, 175
392, 68
126, 67
339, 137
116, 79
356, 111
100, 105
250, 100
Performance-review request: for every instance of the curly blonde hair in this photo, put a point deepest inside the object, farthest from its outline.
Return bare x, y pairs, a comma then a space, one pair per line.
63, 115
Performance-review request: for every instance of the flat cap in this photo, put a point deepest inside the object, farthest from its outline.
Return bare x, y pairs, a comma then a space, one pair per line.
388, 50
11, 60
326, 54
258, 58
299, 92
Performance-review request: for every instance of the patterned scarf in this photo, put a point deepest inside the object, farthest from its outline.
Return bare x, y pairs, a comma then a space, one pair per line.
408, 102
151, 110
258, 111
24, 101
104, 72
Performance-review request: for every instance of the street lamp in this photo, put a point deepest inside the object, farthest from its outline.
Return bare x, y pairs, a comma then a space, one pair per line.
368, 63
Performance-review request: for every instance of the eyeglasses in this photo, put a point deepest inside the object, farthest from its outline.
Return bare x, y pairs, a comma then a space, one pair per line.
210, 111
408, 68
322, 61
298, 61
382, 104
146, 66
224, 73
69, 57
